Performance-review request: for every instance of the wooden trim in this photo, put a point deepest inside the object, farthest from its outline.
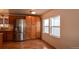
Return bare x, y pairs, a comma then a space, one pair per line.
19, 14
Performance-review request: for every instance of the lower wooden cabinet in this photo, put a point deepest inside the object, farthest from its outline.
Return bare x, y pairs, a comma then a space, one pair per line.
1, 40
9, 36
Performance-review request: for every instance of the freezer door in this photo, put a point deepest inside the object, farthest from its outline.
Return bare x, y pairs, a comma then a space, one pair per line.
20, 37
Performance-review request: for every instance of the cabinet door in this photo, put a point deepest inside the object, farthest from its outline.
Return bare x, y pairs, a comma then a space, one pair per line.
33, 30
1, 40
28, 27
9, 35
38, 27
12, 19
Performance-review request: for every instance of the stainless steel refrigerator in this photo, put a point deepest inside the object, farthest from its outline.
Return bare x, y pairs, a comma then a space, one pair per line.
20, 30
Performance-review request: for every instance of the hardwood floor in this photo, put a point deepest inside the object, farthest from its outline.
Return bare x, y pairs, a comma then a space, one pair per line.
28, 44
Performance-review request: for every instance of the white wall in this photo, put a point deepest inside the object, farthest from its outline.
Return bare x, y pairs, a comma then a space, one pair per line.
69, 28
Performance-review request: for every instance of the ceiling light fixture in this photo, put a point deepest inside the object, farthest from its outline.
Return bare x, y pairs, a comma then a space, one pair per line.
33, 12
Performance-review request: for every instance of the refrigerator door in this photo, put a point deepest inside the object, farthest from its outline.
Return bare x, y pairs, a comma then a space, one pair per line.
19, 36
20, 30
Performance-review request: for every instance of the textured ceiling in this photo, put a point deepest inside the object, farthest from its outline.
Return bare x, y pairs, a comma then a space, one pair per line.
23, 11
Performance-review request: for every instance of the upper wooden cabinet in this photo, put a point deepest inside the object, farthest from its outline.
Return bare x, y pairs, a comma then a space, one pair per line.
12, 19
33, 27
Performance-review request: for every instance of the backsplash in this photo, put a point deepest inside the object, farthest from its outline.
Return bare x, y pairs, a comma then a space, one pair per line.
6, 27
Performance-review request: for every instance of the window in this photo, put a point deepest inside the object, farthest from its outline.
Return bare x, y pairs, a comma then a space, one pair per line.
46, 26
52, 26
55, 26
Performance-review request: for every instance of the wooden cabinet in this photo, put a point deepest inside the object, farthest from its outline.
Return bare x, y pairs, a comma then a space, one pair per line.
9, 35
12, 19
1, 40
28, 27
38, 27
33, 27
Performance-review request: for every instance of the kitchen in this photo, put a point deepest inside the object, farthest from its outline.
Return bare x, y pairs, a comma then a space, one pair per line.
19, 25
